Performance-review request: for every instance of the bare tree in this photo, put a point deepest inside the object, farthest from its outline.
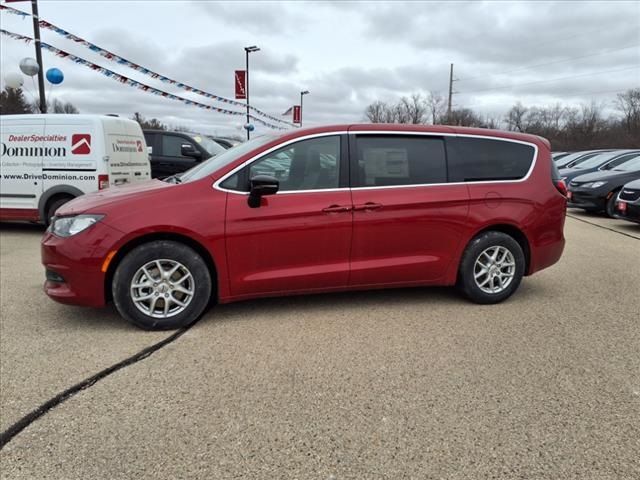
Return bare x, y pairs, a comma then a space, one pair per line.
377, 112
436, 107
153, 124
629, 104
515, 117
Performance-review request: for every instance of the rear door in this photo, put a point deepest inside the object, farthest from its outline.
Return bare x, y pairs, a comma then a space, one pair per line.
407, 221
299, 239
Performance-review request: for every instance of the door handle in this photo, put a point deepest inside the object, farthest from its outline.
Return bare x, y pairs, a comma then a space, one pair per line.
337, 209
367, 206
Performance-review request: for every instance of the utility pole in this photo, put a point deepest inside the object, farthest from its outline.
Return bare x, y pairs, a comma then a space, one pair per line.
36, 36
450, 95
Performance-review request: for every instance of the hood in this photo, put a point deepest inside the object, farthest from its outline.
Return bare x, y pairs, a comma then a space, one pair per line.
97, 201
635, 185
608, 175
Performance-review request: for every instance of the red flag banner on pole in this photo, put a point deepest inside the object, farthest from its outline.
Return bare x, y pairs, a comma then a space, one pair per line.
241, 82
296, 114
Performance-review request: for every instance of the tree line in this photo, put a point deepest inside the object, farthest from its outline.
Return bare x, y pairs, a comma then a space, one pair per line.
12, 101
567, 127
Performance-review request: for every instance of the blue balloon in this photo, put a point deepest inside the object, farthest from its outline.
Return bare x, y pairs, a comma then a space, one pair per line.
249, 126
55, 76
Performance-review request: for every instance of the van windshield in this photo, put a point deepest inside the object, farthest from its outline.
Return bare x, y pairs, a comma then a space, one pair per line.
212, 165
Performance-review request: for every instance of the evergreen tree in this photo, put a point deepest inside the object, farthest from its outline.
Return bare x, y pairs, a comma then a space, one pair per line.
12, 101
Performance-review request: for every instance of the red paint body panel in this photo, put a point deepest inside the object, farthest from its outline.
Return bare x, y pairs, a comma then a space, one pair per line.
290, 245
412, 237
29, 214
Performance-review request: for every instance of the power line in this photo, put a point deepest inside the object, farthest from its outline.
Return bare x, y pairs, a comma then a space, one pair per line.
552, 63
502, 87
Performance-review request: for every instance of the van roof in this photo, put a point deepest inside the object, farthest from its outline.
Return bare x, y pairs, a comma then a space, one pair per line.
61, 116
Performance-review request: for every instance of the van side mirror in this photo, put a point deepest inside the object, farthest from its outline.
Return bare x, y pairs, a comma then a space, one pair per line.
262, 185
188, 150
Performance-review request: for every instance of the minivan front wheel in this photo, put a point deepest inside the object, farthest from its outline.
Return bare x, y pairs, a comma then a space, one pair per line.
492, 267
161, 285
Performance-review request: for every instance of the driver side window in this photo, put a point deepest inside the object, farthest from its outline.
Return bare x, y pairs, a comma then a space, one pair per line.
306, 165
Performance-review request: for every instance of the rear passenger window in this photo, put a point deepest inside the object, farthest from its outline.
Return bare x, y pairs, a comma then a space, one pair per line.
478, 159
385, 160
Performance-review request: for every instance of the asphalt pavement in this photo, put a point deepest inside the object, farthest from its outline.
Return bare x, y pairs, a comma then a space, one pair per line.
412, 383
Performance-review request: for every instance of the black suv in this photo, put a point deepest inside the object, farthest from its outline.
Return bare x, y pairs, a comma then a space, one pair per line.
176, 152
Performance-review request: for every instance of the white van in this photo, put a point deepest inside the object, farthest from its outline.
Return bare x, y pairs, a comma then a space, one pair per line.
47, 160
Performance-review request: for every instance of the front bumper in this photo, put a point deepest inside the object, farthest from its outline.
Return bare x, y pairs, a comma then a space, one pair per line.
587, 198
77, 261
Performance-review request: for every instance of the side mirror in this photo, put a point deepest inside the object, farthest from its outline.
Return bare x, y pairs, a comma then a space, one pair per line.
262, 185
188, 150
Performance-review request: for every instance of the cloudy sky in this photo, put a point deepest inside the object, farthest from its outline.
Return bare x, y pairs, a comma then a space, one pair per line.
347, 54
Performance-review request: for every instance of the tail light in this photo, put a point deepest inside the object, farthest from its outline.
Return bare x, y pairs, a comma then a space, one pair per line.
103, 182
561, 187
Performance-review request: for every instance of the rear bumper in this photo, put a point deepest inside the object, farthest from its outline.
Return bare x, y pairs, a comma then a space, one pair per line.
77, 261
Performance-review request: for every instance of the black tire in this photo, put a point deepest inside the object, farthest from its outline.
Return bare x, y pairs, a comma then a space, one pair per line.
168, 251
610, 208
53, 206
466, 273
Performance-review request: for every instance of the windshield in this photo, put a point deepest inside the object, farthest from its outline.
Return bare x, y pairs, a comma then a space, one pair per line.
629, 166
209, 145
595, 161
563, 162
225, 158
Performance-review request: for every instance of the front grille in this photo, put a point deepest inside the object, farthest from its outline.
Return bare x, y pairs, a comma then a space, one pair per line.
629, 195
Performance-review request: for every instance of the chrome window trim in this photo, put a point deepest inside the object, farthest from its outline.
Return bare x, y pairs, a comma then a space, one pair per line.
217, 186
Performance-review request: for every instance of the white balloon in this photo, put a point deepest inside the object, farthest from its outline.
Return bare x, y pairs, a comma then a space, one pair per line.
29, 66
13, 80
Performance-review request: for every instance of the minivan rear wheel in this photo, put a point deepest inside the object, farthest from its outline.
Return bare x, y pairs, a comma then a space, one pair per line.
161, 285
53, 206
492, 268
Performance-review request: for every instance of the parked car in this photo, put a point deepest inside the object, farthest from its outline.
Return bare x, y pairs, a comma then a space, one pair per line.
598, 191
628, 202
48, 160
176, 152
558, 155
316, 210
573, 157
226, 143
604, 161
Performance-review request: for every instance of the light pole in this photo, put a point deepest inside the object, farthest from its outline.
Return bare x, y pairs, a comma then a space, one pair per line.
302, 94
248, 50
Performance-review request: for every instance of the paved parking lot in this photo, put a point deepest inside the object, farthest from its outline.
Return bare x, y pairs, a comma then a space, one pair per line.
397, 384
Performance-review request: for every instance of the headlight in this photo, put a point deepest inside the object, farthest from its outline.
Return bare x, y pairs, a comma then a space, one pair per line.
597, 184
68, 226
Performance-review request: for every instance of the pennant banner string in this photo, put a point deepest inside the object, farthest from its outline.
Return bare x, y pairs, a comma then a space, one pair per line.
123, 61
134, 83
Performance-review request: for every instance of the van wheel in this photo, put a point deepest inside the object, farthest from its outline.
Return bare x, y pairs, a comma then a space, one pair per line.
161, 285
492, 267
53, 206
610, 208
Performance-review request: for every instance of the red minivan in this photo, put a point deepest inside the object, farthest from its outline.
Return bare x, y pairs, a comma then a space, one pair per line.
315, 210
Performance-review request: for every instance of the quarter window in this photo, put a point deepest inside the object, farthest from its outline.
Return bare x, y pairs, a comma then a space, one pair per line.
385, 160
482, 159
